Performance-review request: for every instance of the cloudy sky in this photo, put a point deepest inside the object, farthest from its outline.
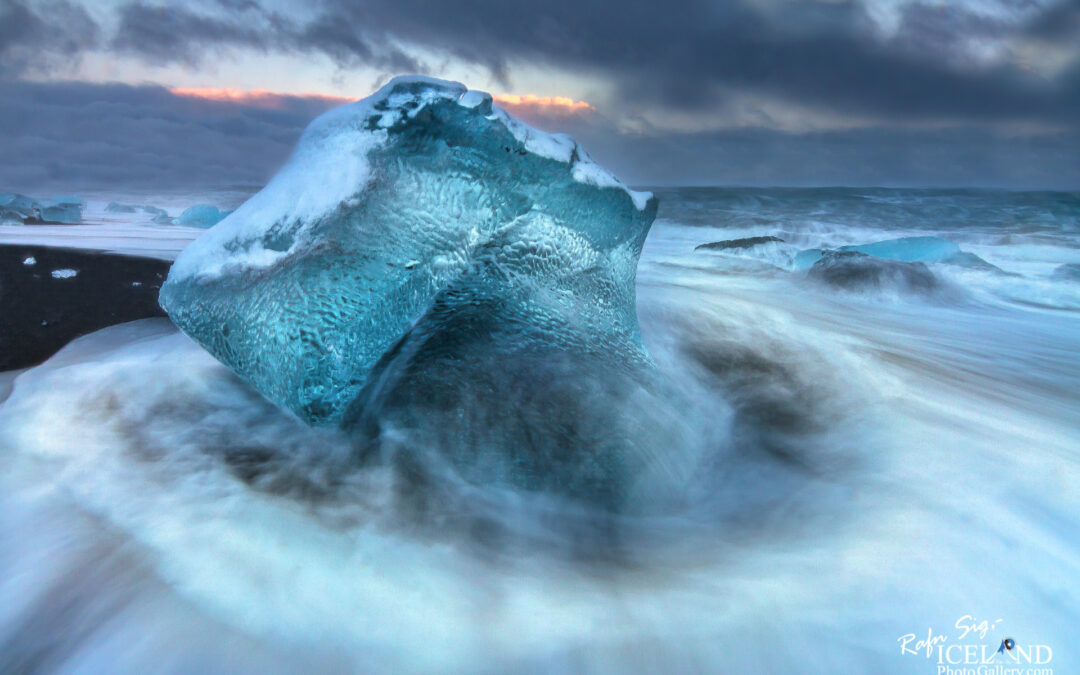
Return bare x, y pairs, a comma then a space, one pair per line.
214, 93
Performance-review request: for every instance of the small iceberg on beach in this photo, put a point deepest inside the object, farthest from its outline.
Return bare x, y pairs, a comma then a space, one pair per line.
202, 215
16, 208
20, 209
904, 249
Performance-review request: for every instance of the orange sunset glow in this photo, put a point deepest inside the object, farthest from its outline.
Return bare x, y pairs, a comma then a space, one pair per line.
551, 103
257, 97
272, 99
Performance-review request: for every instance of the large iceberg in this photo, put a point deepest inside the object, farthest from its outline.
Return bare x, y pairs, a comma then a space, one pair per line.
404, 217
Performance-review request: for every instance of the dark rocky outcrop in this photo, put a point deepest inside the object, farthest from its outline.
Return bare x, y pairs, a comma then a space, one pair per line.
850, 270
747, 242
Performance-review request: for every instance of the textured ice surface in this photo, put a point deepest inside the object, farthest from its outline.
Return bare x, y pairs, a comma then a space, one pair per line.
399, 210
202, 215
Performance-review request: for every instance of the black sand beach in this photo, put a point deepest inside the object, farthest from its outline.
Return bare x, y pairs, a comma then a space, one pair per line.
49, 296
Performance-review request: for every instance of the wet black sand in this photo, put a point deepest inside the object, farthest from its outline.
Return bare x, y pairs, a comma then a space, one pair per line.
43, 306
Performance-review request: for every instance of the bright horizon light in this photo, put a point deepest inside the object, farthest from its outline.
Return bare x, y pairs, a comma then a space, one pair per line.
272, 99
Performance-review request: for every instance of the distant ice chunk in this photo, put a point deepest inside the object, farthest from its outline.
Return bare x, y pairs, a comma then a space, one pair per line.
202, 215
20, 209
30, 261
393, 211
66, 209
905, 249
116, 207
17, 208
64, 273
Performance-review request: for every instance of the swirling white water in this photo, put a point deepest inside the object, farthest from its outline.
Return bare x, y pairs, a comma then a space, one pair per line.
850, 467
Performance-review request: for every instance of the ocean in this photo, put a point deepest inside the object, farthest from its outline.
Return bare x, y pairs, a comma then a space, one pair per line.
855, 463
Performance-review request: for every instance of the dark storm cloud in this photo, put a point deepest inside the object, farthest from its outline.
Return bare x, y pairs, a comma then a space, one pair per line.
688, 54
940, 31
1058, 24
71, 136
34, 37
938, 115
347, 48
165, 34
